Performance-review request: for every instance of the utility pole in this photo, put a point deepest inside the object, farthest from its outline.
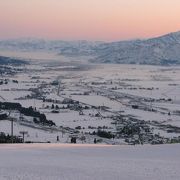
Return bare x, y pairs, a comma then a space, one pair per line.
151, 100
12, 126
59, 86
34, 104
62, 132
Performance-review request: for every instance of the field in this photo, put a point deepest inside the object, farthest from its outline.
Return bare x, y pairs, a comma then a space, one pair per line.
133, 104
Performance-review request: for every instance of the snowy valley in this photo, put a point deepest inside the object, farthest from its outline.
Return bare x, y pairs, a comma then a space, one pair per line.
60, 100
83, 120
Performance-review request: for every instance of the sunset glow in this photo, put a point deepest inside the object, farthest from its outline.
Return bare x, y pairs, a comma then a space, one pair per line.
88, 19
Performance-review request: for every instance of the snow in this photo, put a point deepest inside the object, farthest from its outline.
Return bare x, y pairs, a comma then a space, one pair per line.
95, 100
116, 87
87, 162
34, 134
162, 50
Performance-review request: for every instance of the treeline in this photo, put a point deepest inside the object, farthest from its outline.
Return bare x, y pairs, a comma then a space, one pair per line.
39, 118
3, 116
8, 139
104, 134
10, 106
11, 61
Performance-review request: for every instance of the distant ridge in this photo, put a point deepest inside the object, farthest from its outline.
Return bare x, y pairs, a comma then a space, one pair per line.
163, 50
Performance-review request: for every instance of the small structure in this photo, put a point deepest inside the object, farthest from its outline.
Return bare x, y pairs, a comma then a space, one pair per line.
23, 133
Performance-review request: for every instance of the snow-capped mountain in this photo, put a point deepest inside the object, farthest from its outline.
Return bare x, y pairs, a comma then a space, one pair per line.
67, 48
161, 50
164, 50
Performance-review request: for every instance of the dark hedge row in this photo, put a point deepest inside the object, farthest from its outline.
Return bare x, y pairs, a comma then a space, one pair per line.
8, 139
38, 117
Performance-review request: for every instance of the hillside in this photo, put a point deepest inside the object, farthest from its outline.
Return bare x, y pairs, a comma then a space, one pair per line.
164, 50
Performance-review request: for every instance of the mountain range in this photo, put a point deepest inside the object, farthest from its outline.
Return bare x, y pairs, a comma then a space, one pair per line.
163, 50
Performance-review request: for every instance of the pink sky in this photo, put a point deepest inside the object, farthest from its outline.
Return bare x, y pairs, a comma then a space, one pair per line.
88, 19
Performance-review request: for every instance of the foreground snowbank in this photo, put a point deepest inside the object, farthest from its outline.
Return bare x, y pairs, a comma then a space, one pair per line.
89, 162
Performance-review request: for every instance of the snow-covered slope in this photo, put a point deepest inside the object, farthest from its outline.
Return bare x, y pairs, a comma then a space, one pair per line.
89, 162
164, 50
67, 48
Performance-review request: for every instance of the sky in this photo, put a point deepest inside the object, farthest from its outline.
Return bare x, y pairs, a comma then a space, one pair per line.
107, 20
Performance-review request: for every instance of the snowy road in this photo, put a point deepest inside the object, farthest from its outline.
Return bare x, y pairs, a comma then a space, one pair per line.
89, 162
